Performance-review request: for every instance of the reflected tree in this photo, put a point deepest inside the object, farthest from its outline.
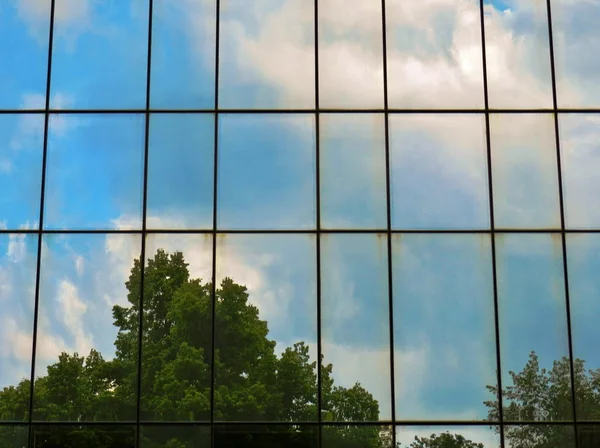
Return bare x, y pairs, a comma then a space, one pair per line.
444, 440
545, 395
252, 383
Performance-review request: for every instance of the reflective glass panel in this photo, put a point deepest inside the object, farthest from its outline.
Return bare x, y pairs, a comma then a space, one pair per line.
438, 171
352, 170
95, 171
517, 54
21, 148
350, 54
266, 329
445, 346
525, 178
533, 328
24, 54
86, 364
181, 171
183, 54
100, 54
267, 172
434, 54
267, 54
18, 260
355, 328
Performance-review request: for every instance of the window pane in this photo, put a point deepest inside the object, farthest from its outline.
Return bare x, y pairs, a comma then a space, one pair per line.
266, 172
18, 262
353, 178
517, 54
551, 435
439, 174
525, 178
580, 152
121, 436
584, 293
434, 54
24, 54
267, 54
14, 436
181, 171
265, 334
448, 436
354, 327
576, 39
175, 436
100, 54
533, 328
95, 172
445, 353
261, 436
21, 147
183, 54
87, 340
350, 54
177, 342
349, 436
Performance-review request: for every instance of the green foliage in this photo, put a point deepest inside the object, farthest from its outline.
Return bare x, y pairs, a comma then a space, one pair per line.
444, 440
539, 394
251, 382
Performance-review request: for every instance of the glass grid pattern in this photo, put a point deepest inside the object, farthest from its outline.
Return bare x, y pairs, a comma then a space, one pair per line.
497, 231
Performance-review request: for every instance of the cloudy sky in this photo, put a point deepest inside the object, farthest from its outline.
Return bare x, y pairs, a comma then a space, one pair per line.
442, 284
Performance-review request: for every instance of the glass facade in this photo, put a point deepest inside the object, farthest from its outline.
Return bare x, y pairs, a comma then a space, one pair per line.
299, 223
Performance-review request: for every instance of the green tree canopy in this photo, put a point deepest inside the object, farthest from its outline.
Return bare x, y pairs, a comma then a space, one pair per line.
252, 383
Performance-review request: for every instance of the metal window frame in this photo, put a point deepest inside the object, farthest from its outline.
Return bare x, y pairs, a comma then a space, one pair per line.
389, 230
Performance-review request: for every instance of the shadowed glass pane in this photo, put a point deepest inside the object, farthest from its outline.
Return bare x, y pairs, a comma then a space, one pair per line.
264, 436
93, 436
175, 436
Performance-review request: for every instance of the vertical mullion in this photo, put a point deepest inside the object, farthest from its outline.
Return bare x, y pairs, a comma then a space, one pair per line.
389, 221
492, 222
318, 228
562, 218
214, 223
41, 222
144, 225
